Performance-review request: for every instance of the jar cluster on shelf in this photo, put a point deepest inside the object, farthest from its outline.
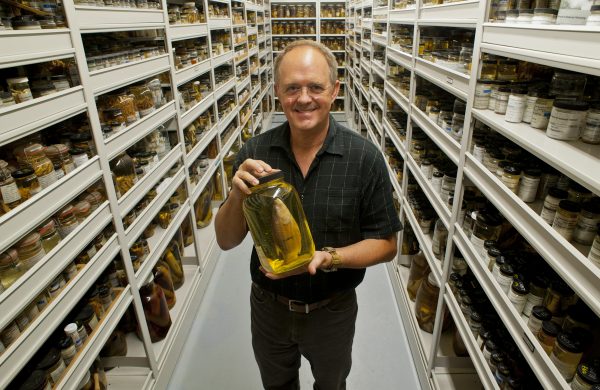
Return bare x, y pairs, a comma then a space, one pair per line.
566, 105
294, 27
141, 4
29, 82
279, 43
105, 50
293, 11
332, 27
190, 52
544, 12
121, 108
34, 163
218, 10
192, 92
451, 48
238, 16
399, 77
402, 38
195, 130
223, 74
188, 13
220, 42
333, 11
334, 43
52, 18
226, 104
34, 246
402, 4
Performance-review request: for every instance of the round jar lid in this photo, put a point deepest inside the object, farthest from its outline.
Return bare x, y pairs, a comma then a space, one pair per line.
17, 80
590, 373
56, 149
490, 345
48, 227
570, 342
431, 279
571, 105
65, 342
541, 313
519, 287
85, 314
507, 269
569, 206
30, 239
34, 150
512, 170
550, 11
494, 252
550, 328
66, 212
475, 316
78, 137
49, 360
497, 357
82, 207
558, 193
8, 257
273, 176
76, 151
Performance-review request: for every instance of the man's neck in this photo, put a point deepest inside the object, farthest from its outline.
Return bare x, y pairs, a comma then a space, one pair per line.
308, 141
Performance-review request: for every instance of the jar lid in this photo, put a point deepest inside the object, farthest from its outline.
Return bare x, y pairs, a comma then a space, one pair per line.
497, 357
570, 341
590, 373
35, 381
475, 316
512, 170
591, 207
82, 207
34, 149
490, 345
94, 197
76, 151
104, 291
50, 359
558, 193
419, 147
48, 227
273, 176
81, 137
507, 269
8, 257
595, 7
520, 90
533, 172
431, 279
30, 239
571, 105
550, 328
504, 89
65, 342
56, 149
569, 206
454, 277
519, 287
86, 313
541, 312
489, 218
494, 252
503, 369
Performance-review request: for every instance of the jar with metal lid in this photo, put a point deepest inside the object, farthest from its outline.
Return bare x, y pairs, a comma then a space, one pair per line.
41, 165
67, 221
511, 177
439, 240
497, 357
419, 269
539, 314
11, 268
502, 373
448, 185
123, 168
30, 250
566, 354
547, 335
586, 376
492, 255
71, 331
566, 119
505, 277
19, 88
551, 202
502, 100
49, 235
489, 347
426, 303
11, 197
487, 227
79, 156
483, 336
483, 90
567, 85
105, 296
587, 222
52, 364
156, 310
459, 264
558, 298
59, 154
590, 133
565, 219
67, 349
517, 294
88, 318
82, 210
537, 292
528, 185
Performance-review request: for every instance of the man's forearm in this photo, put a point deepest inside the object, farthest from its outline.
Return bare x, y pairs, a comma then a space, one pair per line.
368, 252
230, 224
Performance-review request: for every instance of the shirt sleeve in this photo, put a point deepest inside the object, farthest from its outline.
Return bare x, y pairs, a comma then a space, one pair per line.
378, 216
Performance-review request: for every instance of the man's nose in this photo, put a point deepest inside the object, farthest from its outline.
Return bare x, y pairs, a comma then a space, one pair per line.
304, 95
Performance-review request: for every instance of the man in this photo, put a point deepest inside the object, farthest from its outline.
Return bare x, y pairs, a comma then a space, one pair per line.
347, 198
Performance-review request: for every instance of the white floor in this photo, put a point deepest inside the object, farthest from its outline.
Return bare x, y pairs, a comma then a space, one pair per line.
218, 353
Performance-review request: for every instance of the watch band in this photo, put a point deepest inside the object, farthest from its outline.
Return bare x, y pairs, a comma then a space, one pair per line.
336, 259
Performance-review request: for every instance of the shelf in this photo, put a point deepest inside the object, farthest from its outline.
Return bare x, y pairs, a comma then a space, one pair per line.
22, 119
400, 57
538, 360
563, 46
203, 142
149, 180
572, 266
378, 99
158, 243
406, 15
294, 35
116, 19
284, 19
400, 99
184, 295
18, 354
193, 113
454, 82
379, 69
459, 14
30, 214
126, 378
223, 58
379, 39
242, 84
219, 23
446, 381
447, 144
223, 123
191, 72
187, 31
95, 342
376, 123
27, 47
394, 137
212, 167
164, 192
223, 89
576, 159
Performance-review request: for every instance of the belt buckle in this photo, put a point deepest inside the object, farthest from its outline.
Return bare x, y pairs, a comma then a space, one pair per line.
295, 302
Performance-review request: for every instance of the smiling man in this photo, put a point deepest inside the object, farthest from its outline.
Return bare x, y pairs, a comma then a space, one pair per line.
346, 194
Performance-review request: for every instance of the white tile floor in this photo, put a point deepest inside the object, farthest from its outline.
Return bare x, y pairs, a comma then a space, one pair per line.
218, 353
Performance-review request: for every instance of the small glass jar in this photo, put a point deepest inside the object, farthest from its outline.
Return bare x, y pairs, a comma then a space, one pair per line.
59, 154
502, 100
493, 254
517, 295
566, 354
547, 335
511, 176
528, 186
123, 168
487, 227
448, 185
565, 220
439, 240
489, 69
539, 314
162, 277
88, 318
79, 156
475, 320
559, 296
551, 202
590, 133
19, 88
426, 303
594, 255
156, 310
483, 90
52, 364
507, 69
9, 191
67, 221
67, 350
419, 269
11, 268
49, 235
30, 250
505, 277
566, 120
502, 370
41, 165
586, 376
587, 222
82, 210
489, 347
10, 334
516, 105
537, 292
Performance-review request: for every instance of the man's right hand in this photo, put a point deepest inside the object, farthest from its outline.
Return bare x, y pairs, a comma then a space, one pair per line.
248, 173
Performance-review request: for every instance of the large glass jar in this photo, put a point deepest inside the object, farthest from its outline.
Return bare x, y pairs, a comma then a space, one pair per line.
547, 335
439, 240
487, 227
49, 235
419, 269
11, 268
42, 166
59, 154
587, 375
276, 220
144, 100
10, 195
162, 277
67, 221
426, 303
30, 250
172, 257
566, 354
123, 168
156, 310
203, 207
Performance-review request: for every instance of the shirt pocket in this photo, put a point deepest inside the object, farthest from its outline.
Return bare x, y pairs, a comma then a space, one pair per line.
337, 209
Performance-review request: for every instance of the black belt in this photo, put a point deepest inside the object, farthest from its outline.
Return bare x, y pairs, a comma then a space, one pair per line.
295, 305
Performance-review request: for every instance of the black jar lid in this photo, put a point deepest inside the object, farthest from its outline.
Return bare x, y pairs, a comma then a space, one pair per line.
507, 269
86, 314
475, 316
454, 277
490, 345
512, 169
503, 369
519, 287
571, 105
569, 206
589, 372
570, 342
519, 89
497, 357
36, 380
504, 89
533, 172
494, 252
551, 328
273, 176
541, 313
489, 218
78, 137
49, 360
501, 260
21, 173
558, 193
595, 7
76, 151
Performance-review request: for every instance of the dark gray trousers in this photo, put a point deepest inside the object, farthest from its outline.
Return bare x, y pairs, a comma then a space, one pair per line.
324, 337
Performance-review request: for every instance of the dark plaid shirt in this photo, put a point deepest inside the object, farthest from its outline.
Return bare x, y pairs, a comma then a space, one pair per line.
346, 196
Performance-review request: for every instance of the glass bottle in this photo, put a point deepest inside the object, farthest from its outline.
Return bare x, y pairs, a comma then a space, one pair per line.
49, 235
11, 268
173, 258
10, 195
539, 314
566, 354
59, 154
587, 221
42, 166
276, 219
162, 277
203, 207
528, 186
565, 220
67, 221
123, 168
487, 227
551, 202
426, 303
439, 240
547, 335
156, 310
30, 250
419, 269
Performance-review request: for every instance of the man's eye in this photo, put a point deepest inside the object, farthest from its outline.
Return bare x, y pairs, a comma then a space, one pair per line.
292, 89
317, 89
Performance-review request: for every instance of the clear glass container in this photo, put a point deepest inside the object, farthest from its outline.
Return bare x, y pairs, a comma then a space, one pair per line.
551, 202
565, 219
419, 269
586, 376
173, 258
19, 88
41, 165
123, 168
162, 277
439, 240
30, 250
11, 268
67, 221
487, 227
547, 335
539, 314
156, 310
49, 235
567, 85
566, 354
10, 195
587, 222
566, 119
144, 100
276, 219
426, 303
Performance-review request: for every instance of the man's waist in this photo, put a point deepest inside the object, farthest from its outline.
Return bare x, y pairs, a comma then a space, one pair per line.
300, 304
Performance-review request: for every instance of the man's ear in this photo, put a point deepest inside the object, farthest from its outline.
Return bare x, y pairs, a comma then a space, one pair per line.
336, 89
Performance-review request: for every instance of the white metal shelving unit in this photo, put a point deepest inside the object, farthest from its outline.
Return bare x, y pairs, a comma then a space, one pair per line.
147, 365
565, 47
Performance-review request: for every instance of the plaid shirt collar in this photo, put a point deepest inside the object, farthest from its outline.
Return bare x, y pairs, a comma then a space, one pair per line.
333, 144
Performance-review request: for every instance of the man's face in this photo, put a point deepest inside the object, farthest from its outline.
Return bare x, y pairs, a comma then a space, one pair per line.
304, 89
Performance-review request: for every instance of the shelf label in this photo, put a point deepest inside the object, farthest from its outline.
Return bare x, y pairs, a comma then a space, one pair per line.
528, 342
449, 80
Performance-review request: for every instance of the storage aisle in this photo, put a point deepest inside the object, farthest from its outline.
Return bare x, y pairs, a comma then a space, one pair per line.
218, 352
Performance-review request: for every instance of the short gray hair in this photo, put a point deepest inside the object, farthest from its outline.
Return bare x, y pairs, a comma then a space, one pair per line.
329, 57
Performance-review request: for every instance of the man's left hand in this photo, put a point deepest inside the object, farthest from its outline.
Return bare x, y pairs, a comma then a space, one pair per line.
320, 259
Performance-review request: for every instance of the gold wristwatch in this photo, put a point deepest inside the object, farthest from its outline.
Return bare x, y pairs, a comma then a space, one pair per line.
336, 260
